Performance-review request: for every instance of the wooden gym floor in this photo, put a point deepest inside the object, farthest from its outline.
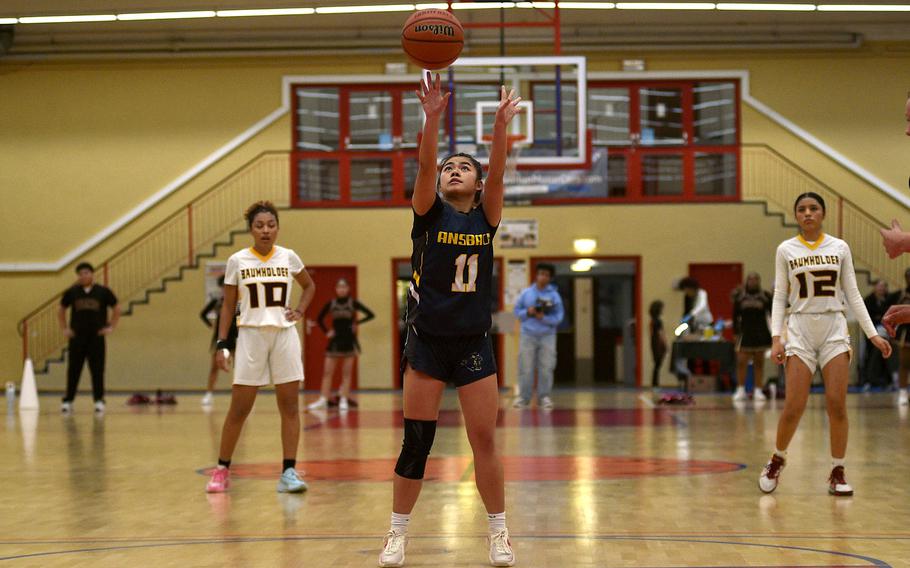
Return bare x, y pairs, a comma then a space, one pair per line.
605, 479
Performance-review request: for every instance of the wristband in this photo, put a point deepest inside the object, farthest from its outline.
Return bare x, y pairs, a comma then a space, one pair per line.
222, 344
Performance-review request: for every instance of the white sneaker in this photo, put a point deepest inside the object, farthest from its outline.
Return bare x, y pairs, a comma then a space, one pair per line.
740, 394
546, 402
393, 548
208, 399
759, 396
519, 403
321, 403
343, 404
66, 407
99, 407
902, 398
501, 549
770, 476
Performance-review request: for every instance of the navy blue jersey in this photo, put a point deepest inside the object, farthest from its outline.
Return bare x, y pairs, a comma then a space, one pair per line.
452, 279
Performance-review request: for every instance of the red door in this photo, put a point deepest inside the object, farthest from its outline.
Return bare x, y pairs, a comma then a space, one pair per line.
719, 280
314, 341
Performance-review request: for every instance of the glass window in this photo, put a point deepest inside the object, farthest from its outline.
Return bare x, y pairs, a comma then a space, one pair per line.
714, 113
317, 119
370, 120
608, 116
662, 174
371, 180
317, 180
715, 174
548, 132
412, 123
466, 98
661, 116
617, 176
410, 176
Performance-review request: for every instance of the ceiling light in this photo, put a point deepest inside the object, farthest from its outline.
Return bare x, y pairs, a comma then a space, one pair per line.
588, 5
66, 19
481, 5
767, 7
365, 9
665, 5
166, 15
265, 12
582, 265
438, 6
545, 5
584, 246
5, 21
864, 7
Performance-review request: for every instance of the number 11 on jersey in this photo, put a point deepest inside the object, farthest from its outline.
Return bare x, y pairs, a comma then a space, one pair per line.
459, 285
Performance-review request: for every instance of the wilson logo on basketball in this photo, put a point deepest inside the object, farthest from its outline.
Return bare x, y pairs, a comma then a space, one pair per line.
436, 29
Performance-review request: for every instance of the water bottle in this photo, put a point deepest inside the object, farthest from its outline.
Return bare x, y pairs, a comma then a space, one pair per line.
10, 391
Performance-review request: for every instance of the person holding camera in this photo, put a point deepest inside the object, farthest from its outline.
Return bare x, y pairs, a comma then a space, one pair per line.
539, 308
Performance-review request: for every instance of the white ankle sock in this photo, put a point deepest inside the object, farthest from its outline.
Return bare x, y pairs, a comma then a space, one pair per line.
497, 522
835, 462
780, 453
400, 522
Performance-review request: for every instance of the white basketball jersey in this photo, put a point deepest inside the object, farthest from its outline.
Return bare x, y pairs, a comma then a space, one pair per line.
264, 285
816, 278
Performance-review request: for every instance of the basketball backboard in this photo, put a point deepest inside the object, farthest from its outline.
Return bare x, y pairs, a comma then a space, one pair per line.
550, 131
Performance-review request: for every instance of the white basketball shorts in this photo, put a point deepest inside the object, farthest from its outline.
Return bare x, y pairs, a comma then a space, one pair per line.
817, 338
267, 354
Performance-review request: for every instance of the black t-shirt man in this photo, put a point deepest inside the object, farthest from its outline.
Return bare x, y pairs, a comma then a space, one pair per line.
89, 307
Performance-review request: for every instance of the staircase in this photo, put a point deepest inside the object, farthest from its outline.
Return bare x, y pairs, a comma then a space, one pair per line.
161, 255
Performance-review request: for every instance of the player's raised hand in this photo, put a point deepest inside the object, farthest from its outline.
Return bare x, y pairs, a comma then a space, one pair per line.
432, 98
892, 239
508, 105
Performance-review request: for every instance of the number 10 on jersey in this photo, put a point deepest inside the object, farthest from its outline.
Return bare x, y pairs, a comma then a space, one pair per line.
459, 285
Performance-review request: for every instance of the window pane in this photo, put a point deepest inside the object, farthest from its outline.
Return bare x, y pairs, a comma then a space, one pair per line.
548, 133
608, 116
715, 174
617, 176
466, 98
661, 116
605, 178
317, 119
410, 176
371, 180
412, 123
715, 113
662, 175
370, 120
317, 180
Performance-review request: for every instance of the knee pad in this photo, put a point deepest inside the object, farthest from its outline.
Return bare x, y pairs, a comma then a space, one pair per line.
418, 439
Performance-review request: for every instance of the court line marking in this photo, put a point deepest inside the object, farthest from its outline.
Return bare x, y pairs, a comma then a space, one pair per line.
872, 561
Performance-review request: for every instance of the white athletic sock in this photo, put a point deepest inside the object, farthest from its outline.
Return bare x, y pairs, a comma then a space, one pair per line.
835, 462
780, 453
497, 522
400, 522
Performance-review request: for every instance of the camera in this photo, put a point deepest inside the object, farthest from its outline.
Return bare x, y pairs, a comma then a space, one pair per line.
543, 306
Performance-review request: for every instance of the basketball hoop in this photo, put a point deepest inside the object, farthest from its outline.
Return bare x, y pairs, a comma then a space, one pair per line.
514, 144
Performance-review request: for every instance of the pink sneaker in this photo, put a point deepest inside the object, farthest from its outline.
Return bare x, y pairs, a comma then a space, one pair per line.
220, 481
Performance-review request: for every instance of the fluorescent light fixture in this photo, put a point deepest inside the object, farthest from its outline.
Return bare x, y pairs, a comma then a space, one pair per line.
588, 5
665, 5
437, 6
544, 5
481, 5
265, 12
864, 7
166, 15
681, 329
582, 265
584, 246
5, 21
67, 19
766, 7
365, 9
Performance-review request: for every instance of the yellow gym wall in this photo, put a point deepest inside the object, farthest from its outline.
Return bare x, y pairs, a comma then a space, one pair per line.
82, 143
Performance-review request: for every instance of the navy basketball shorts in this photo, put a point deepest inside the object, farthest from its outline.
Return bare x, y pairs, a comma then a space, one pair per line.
459, 360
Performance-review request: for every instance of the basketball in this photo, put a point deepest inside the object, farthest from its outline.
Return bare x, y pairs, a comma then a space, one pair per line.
432, 38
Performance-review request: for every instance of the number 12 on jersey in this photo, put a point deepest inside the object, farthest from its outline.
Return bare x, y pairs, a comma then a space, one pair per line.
824, 283
459, 285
